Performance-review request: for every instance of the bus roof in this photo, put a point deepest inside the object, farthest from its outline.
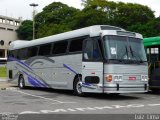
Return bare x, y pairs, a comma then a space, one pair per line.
87, 31
151, 41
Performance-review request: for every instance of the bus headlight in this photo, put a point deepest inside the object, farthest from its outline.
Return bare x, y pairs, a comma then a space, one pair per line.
144, 77
108, 78
118, 77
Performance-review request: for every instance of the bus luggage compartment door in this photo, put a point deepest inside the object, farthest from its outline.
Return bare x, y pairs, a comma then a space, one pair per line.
92, 77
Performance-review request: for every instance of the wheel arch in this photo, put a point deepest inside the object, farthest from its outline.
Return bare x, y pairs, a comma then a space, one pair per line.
75, 77
20, 76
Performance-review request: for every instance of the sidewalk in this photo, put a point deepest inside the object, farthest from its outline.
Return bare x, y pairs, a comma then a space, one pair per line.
3, 79
5, 84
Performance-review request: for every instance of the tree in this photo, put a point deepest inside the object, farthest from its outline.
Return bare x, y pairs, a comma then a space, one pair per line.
120, 14
25, 31
149, 29
58, 17
96, 12
52, 16
51, 29
130, 14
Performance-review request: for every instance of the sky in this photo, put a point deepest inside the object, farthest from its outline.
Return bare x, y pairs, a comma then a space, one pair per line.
21, 8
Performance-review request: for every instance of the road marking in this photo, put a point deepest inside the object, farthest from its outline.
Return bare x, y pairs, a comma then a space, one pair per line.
12, 88
29, 112
113, 107
64, 102
49, 99
153, 104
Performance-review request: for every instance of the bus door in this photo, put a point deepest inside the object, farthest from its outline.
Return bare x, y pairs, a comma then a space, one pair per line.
92, 66
153, 57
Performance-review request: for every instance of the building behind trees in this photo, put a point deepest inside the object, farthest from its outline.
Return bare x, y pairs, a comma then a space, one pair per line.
8, 27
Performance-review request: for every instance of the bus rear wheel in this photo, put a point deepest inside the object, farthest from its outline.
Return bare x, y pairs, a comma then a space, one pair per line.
77, 86
21, 83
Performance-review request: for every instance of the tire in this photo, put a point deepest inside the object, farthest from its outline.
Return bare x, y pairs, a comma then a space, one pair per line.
114, 94
21, 83
154, 90
77, 86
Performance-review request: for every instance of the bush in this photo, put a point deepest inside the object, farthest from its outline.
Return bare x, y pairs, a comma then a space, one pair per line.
3, 71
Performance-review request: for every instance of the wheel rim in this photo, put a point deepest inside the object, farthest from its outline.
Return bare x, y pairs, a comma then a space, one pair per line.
79, 87
21, 82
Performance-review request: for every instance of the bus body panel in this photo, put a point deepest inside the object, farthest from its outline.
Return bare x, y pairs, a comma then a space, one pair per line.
127, 85
92, 76
131, 78
55, 72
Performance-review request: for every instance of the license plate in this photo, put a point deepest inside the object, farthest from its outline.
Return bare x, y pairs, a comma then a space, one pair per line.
132, 78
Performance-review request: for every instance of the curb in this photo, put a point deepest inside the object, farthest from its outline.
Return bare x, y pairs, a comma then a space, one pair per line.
5, 85
9, 88
3, 79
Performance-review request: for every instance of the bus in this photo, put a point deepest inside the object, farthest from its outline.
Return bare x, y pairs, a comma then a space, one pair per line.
3, 61
152, 46
94, 59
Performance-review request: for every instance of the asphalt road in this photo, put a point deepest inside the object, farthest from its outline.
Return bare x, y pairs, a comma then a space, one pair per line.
48, 102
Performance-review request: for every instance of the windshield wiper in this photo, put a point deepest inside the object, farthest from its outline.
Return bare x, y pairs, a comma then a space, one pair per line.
126, 53
135, 55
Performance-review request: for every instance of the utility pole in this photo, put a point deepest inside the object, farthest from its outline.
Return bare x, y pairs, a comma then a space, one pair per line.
33, 5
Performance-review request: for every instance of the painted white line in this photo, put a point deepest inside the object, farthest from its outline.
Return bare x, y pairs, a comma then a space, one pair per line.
98, 108
29, 112
63, 103
12, 88
153, 104
59, 102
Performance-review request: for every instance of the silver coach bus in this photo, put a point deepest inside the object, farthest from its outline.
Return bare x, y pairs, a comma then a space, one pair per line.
95, 59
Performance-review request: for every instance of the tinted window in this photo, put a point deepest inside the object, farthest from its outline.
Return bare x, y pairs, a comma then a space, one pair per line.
60, 47
153, 54
45, 49
10, 53
23, 53
109, 28
13, 53
91, 51
76, 45
88, 50
32, 51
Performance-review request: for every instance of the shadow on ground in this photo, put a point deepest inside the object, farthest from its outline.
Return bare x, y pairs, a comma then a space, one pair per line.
100, 96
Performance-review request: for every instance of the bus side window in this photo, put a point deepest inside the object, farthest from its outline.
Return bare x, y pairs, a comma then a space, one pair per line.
22, 54
14, 53
154, 54
88, 48
76, 45
60, 47
148, 54
32, 51
96, 52
91, 51
44, 49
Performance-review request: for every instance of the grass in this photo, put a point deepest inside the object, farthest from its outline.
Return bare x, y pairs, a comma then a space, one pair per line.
3, 71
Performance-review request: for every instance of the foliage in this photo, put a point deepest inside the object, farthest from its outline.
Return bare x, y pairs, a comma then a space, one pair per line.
54, 18
2, 71
25, 31
58, 17
150, 29
120, 14
50, 29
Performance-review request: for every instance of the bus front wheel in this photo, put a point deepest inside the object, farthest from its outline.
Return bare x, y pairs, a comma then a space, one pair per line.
77, 86
21, 83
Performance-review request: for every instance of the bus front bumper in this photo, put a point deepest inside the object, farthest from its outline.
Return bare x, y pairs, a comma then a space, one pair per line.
117, 88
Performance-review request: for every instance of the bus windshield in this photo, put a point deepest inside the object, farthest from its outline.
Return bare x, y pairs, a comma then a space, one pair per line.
124, 49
